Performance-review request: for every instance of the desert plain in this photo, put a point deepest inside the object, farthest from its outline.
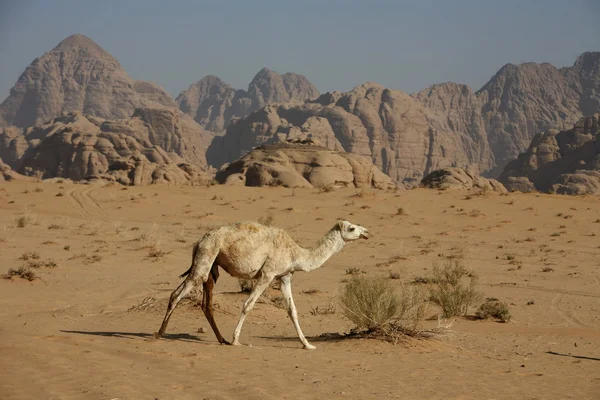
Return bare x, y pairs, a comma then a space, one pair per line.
106, 257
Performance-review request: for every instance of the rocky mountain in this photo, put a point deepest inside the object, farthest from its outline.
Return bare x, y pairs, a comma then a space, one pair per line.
565, 162
214, 104
153, 146
402, 137
303, 165
77, 75
521, 101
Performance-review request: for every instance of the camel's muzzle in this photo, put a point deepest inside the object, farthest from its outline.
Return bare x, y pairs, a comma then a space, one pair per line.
365, 235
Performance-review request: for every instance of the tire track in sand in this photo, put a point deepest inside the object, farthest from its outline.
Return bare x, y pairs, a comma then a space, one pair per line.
88, 206
568, 316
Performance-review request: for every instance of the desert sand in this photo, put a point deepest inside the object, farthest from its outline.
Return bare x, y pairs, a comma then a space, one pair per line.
83, 329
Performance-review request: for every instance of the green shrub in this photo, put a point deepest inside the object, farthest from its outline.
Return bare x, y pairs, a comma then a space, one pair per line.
493, 308
453, 288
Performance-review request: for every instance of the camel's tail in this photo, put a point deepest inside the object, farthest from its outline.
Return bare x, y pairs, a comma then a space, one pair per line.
186, 273
214, 271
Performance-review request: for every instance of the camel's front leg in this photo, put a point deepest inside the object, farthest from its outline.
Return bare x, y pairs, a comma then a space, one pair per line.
286, 290
258, 289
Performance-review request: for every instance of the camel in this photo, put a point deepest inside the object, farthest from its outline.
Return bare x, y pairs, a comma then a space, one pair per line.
251, 250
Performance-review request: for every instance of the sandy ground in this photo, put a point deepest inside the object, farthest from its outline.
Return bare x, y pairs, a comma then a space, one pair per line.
84, 328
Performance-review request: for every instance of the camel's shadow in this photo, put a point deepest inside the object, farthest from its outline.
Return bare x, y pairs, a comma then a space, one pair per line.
140, 335
554, 353
324, 337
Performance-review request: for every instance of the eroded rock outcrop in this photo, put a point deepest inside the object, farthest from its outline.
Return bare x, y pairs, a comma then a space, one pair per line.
566, 162
300, 165
214, 104
458, 178
148, 148
405, 139
7, 174
523, 100
77, 75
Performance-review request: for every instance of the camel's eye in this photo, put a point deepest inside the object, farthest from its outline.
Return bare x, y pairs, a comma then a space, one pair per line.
351, 229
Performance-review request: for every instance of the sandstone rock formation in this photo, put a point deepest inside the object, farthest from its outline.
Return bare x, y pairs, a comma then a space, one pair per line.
402, 137
521, 101
300, 165
151, 147
213, 103
458, 178
7, 174
566, 162
77, 75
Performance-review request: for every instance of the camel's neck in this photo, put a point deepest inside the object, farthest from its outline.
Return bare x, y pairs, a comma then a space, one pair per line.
313, 258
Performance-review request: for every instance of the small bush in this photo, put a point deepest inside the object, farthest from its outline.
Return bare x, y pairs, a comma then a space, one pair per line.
353, 271
323, 311
372, 304
21, 272
454, 288
30, 255
369, 303
267, 221
326, 188
493, 308
394, 275
24, 220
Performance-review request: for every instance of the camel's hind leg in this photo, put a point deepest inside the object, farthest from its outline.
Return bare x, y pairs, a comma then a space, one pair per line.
176, 296
203, 258
207, 307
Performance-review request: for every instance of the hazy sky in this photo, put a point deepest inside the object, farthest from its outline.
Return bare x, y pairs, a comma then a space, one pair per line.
406, 45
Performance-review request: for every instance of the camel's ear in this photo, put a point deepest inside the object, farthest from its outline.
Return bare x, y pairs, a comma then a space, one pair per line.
340, 225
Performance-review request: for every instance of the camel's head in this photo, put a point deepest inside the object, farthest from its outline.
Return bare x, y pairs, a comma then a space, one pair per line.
351, 231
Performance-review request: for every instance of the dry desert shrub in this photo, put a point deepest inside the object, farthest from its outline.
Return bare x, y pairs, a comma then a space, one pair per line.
267, 221
330, 309
453, 288
493, 308
373, 305
149, 238
326, 188
21, 272
24, 220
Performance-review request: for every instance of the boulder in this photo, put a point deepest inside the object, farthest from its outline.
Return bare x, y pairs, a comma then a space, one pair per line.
298, 165
458, 178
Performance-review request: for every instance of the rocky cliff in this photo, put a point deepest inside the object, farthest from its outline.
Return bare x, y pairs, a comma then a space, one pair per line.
566, 162
405, 139
154, 146
214, 104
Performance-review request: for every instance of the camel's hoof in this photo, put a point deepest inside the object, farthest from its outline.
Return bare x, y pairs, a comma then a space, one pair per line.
157, 335
236, 343
225, 342
309, 347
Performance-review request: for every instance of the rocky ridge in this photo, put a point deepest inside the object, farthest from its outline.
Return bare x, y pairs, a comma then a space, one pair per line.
214, 104
151, 147
564, 162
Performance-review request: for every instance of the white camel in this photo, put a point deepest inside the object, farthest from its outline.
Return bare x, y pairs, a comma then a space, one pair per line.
250, 250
